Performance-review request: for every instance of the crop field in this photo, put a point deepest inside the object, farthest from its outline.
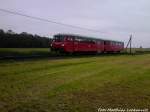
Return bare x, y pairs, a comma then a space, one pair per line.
78, 84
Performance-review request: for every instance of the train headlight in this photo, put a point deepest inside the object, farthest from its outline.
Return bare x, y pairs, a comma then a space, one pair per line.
51, 44
62, 44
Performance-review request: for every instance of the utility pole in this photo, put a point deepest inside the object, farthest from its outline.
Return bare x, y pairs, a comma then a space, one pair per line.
129, 42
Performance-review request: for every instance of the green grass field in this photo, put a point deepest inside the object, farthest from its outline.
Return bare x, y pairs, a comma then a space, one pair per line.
75, 84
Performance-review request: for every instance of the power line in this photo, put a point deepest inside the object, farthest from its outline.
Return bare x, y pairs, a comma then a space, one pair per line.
47, 20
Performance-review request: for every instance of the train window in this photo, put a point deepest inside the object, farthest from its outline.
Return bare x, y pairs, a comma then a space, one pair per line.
111, 43
100, 42
116, 43
85, 40
106, 42
91, 41
58, 38
78, 39
69, 38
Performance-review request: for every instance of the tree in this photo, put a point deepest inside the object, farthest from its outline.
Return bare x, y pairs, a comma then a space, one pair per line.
22, 40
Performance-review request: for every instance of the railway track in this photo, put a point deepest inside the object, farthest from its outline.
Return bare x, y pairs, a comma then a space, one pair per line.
55, 56
23, 57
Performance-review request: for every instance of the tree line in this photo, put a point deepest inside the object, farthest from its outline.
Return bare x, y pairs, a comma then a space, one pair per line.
10, 39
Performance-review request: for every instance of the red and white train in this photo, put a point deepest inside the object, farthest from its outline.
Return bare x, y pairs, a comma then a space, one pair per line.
70, 43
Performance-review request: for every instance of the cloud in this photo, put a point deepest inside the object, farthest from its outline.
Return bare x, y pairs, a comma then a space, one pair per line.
116, 18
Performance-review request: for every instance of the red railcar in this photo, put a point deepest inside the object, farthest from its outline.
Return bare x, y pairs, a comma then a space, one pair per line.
113, 46
75, 43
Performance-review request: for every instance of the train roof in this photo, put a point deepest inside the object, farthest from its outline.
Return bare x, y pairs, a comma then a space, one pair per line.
88, 37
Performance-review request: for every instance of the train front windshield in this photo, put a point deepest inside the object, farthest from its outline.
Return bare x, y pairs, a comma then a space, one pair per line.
58, 38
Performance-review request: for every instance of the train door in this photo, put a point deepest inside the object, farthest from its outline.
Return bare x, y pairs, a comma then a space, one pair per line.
93, 43
76, 44
102, 46
79, 44
105, 46
99, 46
69, 44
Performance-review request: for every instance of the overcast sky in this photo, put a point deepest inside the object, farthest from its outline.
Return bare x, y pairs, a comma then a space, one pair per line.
115, 19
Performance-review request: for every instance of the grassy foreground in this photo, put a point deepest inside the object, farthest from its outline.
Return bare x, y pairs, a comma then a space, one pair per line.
75, 85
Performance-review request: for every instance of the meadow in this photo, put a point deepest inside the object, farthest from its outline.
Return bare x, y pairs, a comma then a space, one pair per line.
77, 84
